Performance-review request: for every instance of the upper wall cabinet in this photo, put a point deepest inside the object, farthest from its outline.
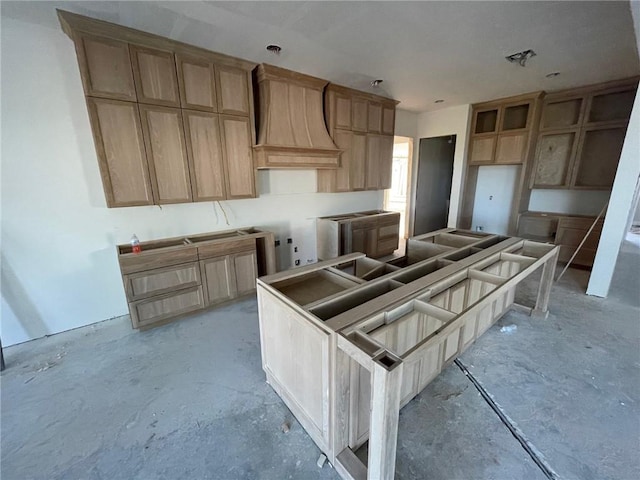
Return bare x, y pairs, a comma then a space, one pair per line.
105, 67
172, 123
500, 132
581, 136
362, 126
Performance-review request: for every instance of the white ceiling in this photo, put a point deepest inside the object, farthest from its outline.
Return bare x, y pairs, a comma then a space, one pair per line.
423, 50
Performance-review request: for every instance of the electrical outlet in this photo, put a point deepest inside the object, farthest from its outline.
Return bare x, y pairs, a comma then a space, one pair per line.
479, 228
297, 262
289, 240
277, 243
295, 249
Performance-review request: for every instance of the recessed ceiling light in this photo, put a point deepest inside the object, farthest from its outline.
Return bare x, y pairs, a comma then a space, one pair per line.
376, 83
552, 74
439, 101
276, 49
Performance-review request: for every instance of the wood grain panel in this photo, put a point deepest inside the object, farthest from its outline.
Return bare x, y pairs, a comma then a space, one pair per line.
372, 170
358, 161
196, 80
105, 67
236, 141
511, 148
553, 158
245, 267
167, 154
561, 114
158, 308
154, 72
385, 162
388, 120
219, 279
233, 90
121, 154
374, 122
482, 149
204, 149
359, 119
342, 112
161, 280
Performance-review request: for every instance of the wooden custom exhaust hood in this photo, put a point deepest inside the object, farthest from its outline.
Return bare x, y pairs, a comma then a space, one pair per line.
291, 128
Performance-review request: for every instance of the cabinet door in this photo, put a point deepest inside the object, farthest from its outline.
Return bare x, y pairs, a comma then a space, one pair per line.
386, 161
342, 111
358, 161
154, 72
121, 155
388, 120
343, 141
359, 120
236, 141
204, 149
482, 149
597, 160
105, 67
375, 117
511, 148
554, 156
219, 279
161, 307
246, 271
233, 90
166, 152
373, 162
196, 79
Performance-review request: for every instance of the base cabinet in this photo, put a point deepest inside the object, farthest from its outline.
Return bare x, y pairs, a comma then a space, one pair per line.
175, 276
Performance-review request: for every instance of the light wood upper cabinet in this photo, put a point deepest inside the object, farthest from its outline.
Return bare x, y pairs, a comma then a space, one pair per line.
204, 149
388, 119
236, 140
196, 80
359, 118
385, 162
233, 90
554, 156
482, 149
121, 154
105, 67
167, 154
511, 148
598, 157
374, 124
343, 112
358, 161
344, 142
372, 171
154, 72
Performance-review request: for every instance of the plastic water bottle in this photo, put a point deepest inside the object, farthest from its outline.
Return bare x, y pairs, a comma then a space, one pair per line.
135, 244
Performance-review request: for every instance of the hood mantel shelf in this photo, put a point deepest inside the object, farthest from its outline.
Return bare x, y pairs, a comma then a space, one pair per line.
292, 132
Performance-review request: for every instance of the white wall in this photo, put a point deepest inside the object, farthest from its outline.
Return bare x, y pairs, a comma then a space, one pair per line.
623, 195
494, 198
575, 202
59, 266
448, 121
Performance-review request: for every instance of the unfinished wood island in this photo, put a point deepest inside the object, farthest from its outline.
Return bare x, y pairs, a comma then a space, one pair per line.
347, 342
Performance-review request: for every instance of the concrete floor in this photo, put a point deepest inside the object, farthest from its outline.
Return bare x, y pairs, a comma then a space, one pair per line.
189, 400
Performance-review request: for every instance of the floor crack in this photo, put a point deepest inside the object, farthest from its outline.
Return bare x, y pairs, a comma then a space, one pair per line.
533, 452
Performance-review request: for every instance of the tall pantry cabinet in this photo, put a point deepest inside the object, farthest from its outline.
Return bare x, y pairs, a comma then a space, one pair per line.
172, 123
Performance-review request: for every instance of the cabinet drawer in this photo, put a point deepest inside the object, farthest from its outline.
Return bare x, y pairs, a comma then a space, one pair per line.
388, 230
571, 237
161, 280
226, 248
537, 227
162, 257
155, 309
579, 222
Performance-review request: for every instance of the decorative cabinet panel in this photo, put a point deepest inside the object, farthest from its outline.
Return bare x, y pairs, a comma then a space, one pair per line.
511, 148
196, 80
204, 150
173, 145
233, 90
174, 276
482, 149
121, 153
236, 138
105, 67
367, 158
581, 135
154, 72
166, 153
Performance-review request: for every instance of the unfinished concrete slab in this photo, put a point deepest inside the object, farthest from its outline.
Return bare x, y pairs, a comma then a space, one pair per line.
189, 400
